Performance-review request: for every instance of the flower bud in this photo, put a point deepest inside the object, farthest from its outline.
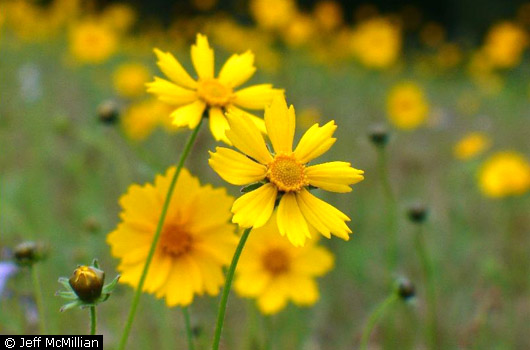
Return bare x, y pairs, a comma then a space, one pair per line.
28, 253
379, 135
417, 213
406, 289
108, 112
87, 283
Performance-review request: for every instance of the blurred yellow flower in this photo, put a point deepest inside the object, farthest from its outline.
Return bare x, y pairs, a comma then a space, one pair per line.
284, 174
432, 34
92, 42
471, 145
274, 272
376, 42
505, 44
216, 95
328, 14
120, 17
308, 116
449, 55
130, 78
197, 239
141, 118
299, 31
273, 14
504, 174
407, 107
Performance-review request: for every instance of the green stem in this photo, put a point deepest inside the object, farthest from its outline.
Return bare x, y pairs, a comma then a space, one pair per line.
374, 317
391, 210
93, 320
226, 289
428, 276
189, 332
38, 299
156, 237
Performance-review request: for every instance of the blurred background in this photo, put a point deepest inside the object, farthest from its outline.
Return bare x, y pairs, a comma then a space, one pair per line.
432, 100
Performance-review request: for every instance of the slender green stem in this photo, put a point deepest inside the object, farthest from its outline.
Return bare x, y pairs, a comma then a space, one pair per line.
428, 276
226, 289
93, 320
156, 237
38, 299
374, 317
189, 331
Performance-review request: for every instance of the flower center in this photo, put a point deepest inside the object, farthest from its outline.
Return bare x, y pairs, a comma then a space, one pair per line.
214, 93
276, 261
175, 240
287, 173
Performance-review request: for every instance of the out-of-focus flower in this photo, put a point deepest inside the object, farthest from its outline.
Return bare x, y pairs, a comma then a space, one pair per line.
273, 14
407, 107
505, 44
449, 55
92, 42
328, 14
308, 116
284, 176
504, 174
471, 145
274, 272
197, 239
216, 95
204, 5
130, 78
120, 17
376, 42
432, 34
141, 118
7, 269
28, 253
299, 30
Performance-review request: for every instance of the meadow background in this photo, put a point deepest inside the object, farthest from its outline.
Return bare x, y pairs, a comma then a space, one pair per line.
62, 170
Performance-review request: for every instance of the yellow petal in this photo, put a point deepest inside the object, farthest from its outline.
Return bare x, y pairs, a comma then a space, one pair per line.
202, 57
333, 176
158, 273
245, 136
251, 284
316, 141
260, 123
171, 93
274, 297
235, 168
256, 96
325, 218
179, 286
237, 69
313, 261
218, 125
303, 290
189, 115
254, 209
173, 70
280, 123
211, 272
291, 222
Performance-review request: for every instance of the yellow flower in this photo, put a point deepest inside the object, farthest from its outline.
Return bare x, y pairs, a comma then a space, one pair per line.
273, 14
471, 145
274, 272
328, 14
130, 78
193, 97
504, 174
376, 42
120, 17
505, 44
92, 42
407, 107
197, 239
141, 118
284, 174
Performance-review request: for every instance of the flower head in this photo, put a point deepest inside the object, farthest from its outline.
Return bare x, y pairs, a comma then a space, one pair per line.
505, 174
471, 145
197, 239
407, 106
505, 44
215, 94
284, 174
273, 271
92, 42
129, 79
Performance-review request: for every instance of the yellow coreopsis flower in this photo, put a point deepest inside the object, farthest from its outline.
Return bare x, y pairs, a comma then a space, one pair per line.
129, 79
471, 145
505, 174
284, 174
505, 44
197, 239
273, 14
407, 107
376, 42
274, 272
141, 118
217, 95
92, 42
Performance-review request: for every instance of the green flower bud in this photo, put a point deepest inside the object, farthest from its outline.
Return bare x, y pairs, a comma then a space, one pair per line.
379, 135
406, 289
28, 253
108, 112
87, 282
417, 213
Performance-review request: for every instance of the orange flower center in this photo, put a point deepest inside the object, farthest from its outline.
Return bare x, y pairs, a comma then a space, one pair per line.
175, 240
214, 93
276, 261
287, 173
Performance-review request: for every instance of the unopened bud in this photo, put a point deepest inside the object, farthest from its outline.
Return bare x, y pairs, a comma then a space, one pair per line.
87, 283
108, 112
406, 289
417, 213
28, 253
379, 135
